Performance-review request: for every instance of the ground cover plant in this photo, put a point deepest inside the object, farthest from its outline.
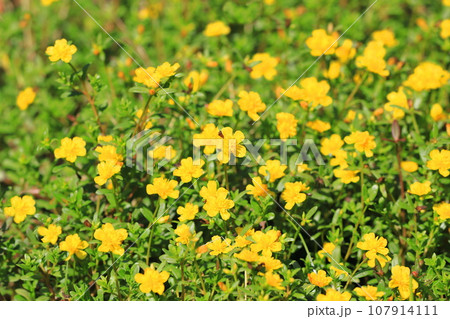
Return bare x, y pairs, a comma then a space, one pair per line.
224, 150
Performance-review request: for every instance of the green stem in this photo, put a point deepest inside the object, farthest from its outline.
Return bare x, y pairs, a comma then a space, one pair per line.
356, 88
143, 116
197, 269
117, 277
147, 258
353, 273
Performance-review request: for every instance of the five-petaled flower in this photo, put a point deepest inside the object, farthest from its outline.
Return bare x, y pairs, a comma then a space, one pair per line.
20, 208
50, 234
111, 239
74, 246
71, 148
376, 249
152, 280
61, 50
163, 187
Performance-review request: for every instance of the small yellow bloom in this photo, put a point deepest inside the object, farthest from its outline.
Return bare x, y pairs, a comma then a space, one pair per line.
210, 134
330, 146
427, 76
20, 208
162, 152
373, 58
409, 166
286, 125
420, 189
397, 103
445, 29
319, 279
111, 239
266, 243
61, 51
322, 43
251, 103
106, 170
312, 91
270, 263
46, 3
104, 138
215, 29
443, 210
184, 234
437, 113
187, 171
292, 194
50, 234
247, 255
258, 188
274, 280
265, 67
333, 71
364, 142
166, 70
220, 108
376, 249
402, 280
369, 292
347, 176
70, 149
440, 160
109, 153
25, 98
188, 212
152, 280
74, 246
327, 249
334, 295
163, 187
216, 201
217, 246
386, 37
346, 51
274, 169
195, 80
318, 126
339, 271
230, 145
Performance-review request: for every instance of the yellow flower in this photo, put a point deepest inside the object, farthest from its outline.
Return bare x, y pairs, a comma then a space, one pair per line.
445, 29
311, 91
251, 103
402, 280
74, 246
427, 76
327, 249
217, 246
25, 98
149, 77
440, 160
319, 279
266, 243
258, 188
420, 189
265, 67
333, 71
61, 51
106, 170
376, 249
216, 200
247, 255
351, 116
364, 142
330, 146
111, 239
386, 37
188, 170
334, 295
446, 3
46, 3
108, 153
215, 29
320, 42
409, 166
230, 145
50, 234
346, 51
286, 125
340, 159
369, 292
184, 234
20, 208
188, 212
373, 58
270, 263
443, 210
338, 271
274, 280
70, 149
166, 70
152, 280
396, 100
302, 168
318, 126
163, 187
220, 108
104, 138
209, 133
162, 151
274, 169
347, 176
292, 194
195, 80
437, 113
